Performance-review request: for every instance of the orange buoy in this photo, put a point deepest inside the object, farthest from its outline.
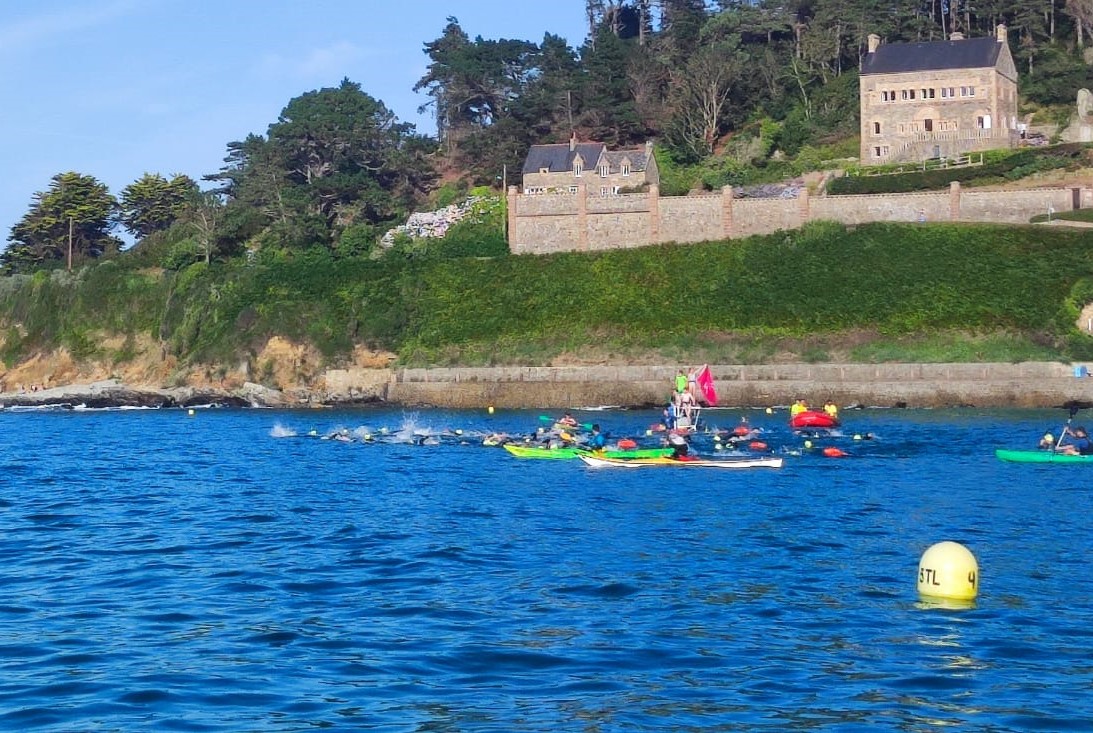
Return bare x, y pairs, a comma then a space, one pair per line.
740, 430
832, 452
757, 445
627, 444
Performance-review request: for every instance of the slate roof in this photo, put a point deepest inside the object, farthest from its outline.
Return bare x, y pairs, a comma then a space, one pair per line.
967, 53
637, 157
559, 158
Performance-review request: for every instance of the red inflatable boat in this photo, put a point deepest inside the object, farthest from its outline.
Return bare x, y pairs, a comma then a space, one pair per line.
813, 419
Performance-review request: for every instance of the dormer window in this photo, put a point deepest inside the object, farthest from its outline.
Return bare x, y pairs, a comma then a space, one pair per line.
578, 168
544, 170
603, 171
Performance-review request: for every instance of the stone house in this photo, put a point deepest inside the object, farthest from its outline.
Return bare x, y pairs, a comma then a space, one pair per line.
937, 99
563, 167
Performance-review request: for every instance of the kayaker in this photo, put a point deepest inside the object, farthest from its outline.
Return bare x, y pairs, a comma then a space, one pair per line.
798, 407
831, 409
1080, 445
679, 448
568, 421
597, 441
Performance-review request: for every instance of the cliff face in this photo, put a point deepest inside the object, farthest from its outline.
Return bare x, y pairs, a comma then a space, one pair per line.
142, 362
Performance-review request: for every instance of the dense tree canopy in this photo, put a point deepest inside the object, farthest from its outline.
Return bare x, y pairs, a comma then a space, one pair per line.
73, 217
729, 82
152, 203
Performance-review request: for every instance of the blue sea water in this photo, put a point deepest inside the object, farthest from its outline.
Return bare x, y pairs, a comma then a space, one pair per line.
226, 571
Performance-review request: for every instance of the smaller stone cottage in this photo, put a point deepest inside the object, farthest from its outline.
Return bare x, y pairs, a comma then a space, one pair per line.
562, 168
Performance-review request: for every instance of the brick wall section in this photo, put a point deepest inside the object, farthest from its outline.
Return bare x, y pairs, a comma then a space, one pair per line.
1028, 384
541, 224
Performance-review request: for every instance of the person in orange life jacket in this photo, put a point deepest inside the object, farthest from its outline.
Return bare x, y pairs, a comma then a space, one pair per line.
568, 420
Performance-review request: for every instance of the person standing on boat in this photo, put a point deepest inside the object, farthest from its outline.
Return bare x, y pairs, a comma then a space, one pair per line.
681, 382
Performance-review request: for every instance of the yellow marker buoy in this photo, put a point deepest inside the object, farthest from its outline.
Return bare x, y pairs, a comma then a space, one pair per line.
190, 412
948, 570
490, 409
857, 436
808, 444
717, 446
770, 411
649, 432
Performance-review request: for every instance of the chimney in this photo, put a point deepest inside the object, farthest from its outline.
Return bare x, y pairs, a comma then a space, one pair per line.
956, 36
573, 142
874, 42
1000, 33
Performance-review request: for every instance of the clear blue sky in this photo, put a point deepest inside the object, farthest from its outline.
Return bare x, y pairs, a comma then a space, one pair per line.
117, 88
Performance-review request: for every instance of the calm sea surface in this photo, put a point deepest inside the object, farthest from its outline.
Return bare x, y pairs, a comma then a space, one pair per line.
214, 572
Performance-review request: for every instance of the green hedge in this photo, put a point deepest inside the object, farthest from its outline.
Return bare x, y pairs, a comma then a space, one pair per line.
1010, 168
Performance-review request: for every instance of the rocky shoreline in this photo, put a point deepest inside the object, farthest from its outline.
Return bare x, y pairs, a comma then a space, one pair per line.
1027, 385
112, 394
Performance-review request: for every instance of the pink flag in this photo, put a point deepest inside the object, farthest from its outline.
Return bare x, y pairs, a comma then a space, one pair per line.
705, 383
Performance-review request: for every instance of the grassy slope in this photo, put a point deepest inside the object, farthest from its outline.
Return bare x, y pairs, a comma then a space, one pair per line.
877, 292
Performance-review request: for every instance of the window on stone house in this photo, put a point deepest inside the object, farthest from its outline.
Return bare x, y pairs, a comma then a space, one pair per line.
603, 190
912, 94
876, 128
944, 93
923, 94
573, 189
928, 125
578, 169
892, 96
903, 94
603, 171
544, 170
626, 169
931, 90
876, 152
615, 190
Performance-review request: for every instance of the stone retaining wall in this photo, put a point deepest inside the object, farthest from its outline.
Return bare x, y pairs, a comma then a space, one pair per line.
1028, 384
543, 223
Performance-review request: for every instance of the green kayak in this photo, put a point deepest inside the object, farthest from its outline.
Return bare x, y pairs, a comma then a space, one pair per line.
1039, 456
534, 451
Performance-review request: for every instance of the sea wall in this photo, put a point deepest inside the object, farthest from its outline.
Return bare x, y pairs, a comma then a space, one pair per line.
1028, 384
544, 223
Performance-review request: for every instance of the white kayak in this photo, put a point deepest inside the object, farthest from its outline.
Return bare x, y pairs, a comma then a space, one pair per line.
763, 462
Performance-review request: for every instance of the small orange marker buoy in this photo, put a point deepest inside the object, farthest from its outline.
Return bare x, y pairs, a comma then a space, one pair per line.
627, 444
757, 445
740, 430
832, 452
